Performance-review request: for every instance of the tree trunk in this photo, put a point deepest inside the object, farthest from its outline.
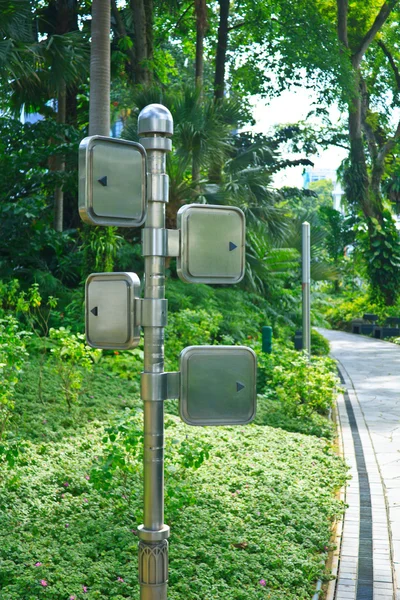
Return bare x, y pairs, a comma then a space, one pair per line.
141, 48
149, 12
99, 104
201, 24
222, 45
60, 163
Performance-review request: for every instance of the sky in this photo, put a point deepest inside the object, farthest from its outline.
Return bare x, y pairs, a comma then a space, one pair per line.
292, 106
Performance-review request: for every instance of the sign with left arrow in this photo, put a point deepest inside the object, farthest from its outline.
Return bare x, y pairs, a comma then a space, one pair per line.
112, 182
110, 310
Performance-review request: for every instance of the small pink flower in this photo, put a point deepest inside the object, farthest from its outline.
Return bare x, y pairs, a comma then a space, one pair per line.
84, 589
72, 598
66, 484
258, 513
66, 524
85, 500
87, 476
262, 582
43, 582
120, 579
62, 495
38, 564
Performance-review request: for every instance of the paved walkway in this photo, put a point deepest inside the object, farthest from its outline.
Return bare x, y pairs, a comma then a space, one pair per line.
369, 412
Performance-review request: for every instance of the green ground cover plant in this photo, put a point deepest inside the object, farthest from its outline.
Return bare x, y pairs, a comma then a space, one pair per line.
250, 507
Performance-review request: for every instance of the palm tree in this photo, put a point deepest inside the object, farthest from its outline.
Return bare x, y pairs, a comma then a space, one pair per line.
202, 136
99, 105
16, 39
39, 71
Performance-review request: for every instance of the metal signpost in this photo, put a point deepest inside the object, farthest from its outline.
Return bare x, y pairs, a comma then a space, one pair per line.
306, 287
125, 184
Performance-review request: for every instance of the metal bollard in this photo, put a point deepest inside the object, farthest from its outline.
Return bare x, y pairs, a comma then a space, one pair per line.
306, 287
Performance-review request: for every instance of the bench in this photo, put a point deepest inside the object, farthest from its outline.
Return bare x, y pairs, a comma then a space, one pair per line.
391, 328
366, 325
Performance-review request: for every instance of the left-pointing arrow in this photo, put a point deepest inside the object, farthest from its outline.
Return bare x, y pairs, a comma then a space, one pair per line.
103, 180
95, 311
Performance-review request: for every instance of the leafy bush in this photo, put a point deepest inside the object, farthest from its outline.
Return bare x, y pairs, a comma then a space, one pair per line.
127, 365
319, 344
343, 310
13, 355
302, 387
72, 357
189, 328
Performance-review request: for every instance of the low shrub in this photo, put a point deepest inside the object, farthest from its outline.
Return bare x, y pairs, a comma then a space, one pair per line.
189, 328
343, 310
72, 357
319, 344
301, 386
13, 355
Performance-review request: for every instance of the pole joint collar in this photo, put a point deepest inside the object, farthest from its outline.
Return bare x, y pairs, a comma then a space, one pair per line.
160, 242
148, 535
156, 143
157, 387
151, 312
157, 187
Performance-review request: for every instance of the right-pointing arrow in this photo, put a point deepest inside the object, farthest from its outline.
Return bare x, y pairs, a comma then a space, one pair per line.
239, 386
232, 246
95, 311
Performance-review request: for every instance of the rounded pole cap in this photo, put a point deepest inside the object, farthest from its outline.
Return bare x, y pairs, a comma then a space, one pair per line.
155, 118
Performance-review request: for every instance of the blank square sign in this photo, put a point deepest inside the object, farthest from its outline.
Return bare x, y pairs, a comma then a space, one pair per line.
110, 305
212, 244
112, 182
218, 385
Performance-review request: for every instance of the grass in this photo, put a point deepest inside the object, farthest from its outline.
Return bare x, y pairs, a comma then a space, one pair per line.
259, 508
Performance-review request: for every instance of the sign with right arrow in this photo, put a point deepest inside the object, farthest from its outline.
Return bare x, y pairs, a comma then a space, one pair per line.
212, 244
217, 385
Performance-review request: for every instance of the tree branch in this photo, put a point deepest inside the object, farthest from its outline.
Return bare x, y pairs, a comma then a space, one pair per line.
392, 63
381, 17
388, 146
343, 8
238, 25
182, 16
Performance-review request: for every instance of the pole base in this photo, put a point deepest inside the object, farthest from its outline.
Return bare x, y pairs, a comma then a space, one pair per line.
153, 570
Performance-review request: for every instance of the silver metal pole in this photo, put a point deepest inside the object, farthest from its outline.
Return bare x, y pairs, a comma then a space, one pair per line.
306, 287
155, 124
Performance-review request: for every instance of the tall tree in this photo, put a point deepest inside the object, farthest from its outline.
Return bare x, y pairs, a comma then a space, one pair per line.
201, 26
99, 103
222, 46
344, 68
363, 178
